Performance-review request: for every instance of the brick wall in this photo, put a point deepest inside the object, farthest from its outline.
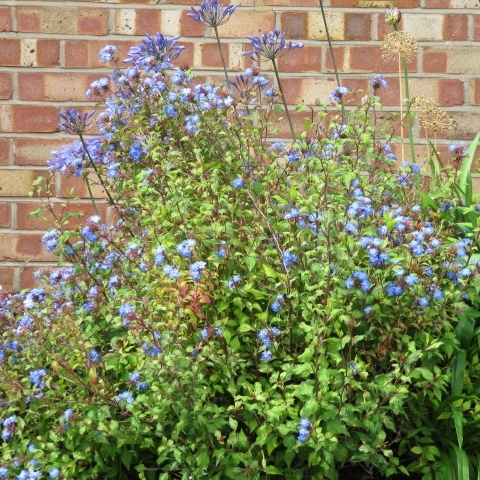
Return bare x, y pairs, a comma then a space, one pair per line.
49, 56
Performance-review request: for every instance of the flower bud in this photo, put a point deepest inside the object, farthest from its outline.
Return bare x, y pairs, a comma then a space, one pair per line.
393, 16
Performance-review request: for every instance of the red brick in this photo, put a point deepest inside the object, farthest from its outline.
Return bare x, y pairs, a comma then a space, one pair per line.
64, 19
48, 219
5, 20
22, 247
476, 28
211, 56
450, 92
34, 118
369, 59
437, 4
60, 87
455, 27
7, 277
295, 24
48, 54
27, 276
339, 55
6, 85
292, 3
434, 62
4, 151
5, 215
402, 4
9, 52
358, 26
306, 59
78, 188
189, 27
17, 182
476, 91
35, 151
147, 21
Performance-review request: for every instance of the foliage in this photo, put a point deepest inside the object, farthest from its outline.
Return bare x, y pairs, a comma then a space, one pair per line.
257, 309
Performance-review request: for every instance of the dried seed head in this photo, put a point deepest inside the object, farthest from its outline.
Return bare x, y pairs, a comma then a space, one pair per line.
400, 44
430, 117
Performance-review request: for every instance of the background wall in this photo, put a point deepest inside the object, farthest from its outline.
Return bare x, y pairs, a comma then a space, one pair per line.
49, 57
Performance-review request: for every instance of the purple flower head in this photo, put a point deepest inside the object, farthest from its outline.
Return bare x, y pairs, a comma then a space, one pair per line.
393, 289
459, 151
75, 123
266, 335
337, 95
211, 14
155, 53
270, 45
378, 81
266, 355
288, 259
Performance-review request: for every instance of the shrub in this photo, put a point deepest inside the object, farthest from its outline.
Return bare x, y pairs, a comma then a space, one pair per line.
257, 309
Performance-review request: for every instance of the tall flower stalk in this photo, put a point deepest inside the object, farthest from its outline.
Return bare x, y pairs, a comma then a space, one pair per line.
393, 17
211, 14
272, 45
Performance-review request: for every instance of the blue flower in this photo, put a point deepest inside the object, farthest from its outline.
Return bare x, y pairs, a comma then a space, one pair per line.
211, 14
3, 472
304, 427
238, 182
358, 279
185, 248
411, 279
378, 81
234, 281
277, 304
125, 396
93, 357
54, 473
75, 123
50, 239
107, 54
172, 272
68, 413
293, 213
393, 289
125, 309
266, 355
338, 93
266, 335
288, 259
423, 302
270, 45
196, 270
37, 377
155, 53
88, 234
159, 256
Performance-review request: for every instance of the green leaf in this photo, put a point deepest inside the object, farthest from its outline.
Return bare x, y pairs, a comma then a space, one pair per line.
457, 419
126, 458
458, 369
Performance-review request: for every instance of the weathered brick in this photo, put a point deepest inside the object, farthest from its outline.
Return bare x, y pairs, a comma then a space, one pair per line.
306, 59
463, 59
5, 215
27, 274
31, 118
455, 27
4, 151
64, 20
75, 186
434, 61
339, 54
358, 26
476, 28
5, 19
6, 85
369, 59
476, 91
35, 151
451, 92
48, 53
306, 90
10, 52
21, 247
295, 23
84, 53
245, 23
60, 87
17, 182
211, 55
335, 23
292, 3
466, 125
46, 219
423, 26
7, 277
402, 4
